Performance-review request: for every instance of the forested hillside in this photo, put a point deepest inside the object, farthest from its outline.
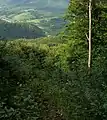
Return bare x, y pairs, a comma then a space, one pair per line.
11, 31
60, 77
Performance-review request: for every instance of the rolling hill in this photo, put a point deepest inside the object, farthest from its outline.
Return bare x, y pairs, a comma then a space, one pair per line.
19, 30
40, 13
38, 3
55, 6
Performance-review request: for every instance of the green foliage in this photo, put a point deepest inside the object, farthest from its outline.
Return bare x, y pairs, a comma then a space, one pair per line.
88, 91
36, 82
28, 76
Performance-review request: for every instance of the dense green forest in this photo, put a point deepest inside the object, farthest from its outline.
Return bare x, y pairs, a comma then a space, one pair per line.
48, 78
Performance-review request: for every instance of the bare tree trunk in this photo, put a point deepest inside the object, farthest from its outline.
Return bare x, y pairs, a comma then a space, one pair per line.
90, 37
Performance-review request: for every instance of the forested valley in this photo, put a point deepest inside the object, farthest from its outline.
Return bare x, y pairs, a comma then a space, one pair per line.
53, 60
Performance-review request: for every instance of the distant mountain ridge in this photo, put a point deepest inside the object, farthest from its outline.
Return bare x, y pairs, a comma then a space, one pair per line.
38, 3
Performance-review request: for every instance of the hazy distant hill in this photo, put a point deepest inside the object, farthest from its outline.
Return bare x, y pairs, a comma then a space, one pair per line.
44, 7
19, 30
38, 3
38, 12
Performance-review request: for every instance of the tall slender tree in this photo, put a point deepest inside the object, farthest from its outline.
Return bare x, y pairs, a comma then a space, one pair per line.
88, 16
89, 57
